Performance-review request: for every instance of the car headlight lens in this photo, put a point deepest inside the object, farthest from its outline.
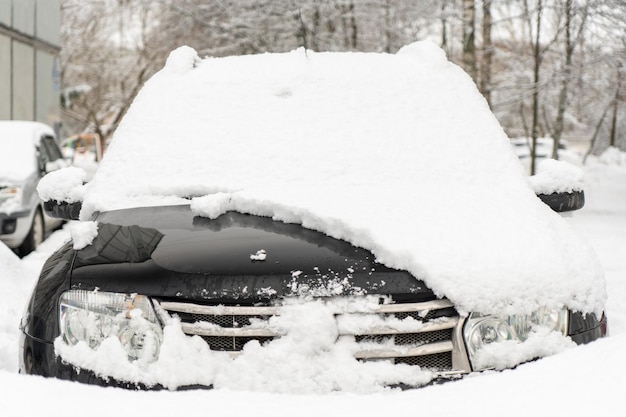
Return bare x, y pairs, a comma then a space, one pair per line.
10, 192
481, 330
91, 317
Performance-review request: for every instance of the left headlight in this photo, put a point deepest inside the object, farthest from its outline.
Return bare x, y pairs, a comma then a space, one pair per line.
91, 317
11, 192
481, 330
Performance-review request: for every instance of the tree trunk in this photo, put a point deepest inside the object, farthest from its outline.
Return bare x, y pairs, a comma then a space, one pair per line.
349, 25
354, 26
444, 27
316, 28
388, 27
570, 45
469, 48
485, 77
536, 75
618, 86
594, 138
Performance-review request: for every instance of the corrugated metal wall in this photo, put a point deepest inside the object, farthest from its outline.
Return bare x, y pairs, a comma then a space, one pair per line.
29, 50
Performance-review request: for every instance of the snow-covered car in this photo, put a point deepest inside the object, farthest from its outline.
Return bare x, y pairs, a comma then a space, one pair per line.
308, 221
29, 151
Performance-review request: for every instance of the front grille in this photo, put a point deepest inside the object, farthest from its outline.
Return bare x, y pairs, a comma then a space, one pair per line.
225, 320
438, 361
417, 334
408, 338
232, 344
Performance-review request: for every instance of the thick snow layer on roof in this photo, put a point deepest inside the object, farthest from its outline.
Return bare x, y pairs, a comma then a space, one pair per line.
398, 153
17, 149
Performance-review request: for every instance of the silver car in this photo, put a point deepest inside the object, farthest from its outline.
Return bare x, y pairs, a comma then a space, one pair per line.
28, 150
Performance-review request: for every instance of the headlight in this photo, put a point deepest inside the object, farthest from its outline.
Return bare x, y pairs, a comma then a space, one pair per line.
90, 317
481, 330
10, 192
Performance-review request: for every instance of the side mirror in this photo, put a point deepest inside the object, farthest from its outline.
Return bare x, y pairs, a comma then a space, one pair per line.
562, 202
62, 192
560, 185
62, 210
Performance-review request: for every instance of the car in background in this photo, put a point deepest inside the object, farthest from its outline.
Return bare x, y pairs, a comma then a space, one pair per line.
307, 221
28, 151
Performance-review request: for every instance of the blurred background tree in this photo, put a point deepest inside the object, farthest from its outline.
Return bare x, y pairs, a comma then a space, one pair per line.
547, 68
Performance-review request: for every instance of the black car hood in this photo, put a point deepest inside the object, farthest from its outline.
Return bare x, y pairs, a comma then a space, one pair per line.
169, 253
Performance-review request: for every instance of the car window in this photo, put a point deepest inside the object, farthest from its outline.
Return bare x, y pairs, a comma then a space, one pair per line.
52, 148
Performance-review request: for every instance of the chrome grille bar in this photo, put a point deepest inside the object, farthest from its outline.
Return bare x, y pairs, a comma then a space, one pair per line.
429, 349
220, 310
390, 330
190, 328
424, 334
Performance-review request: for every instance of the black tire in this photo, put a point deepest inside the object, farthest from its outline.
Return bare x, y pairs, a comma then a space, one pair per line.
34, 237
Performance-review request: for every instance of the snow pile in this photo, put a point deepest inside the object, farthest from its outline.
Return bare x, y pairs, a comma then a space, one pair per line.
613, 156
83, 233
12, 284
184, 60
260, 255
64, 185
398, 154
604, 196
557, 177
541, 342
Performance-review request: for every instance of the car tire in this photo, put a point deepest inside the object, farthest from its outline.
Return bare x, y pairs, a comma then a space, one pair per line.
34, 237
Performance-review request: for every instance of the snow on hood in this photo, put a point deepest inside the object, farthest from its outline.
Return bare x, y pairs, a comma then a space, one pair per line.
398, 154
17, 155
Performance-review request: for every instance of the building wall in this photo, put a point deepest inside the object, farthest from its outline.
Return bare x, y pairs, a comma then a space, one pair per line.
30, 32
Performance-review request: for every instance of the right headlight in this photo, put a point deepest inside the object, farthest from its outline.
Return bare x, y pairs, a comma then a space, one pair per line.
91, 317
482, 330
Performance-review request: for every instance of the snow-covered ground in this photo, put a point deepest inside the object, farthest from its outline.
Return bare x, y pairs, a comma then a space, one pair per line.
585, 380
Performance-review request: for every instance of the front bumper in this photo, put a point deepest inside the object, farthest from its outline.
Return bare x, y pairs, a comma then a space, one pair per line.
38, 357
14, 227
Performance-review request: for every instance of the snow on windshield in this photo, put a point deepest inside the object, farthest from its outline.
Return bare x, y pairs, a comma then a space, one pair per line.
398, 154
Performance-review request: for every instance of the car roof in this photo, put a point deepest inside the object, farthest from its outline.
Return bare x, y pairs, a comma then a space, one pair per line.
18, 140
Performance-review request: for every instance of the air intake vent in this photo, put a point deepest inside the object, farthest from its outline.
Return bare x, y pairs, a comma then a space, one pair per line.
419, 334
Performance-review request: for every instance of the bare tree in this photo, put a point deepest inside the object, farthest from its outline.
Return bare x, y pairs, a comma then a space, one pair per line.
469, 47
108, 53
536, 78
548, 68
487, 52
571, 40
616, 100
